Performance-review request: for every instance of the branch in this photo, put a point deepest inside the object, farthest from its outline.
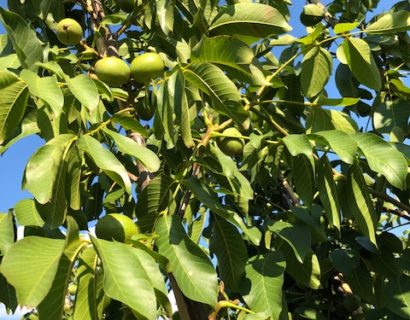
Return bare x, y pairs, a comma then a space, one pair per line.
398, 204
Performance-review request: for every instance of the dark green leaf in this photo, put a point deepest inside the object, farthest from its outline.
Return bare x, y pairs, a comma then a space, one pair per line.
327, 192
317, 66
228, 246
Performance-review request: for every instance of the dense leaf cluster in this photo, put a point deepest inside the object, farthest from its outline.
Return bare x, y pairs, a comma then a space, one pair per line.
297, 225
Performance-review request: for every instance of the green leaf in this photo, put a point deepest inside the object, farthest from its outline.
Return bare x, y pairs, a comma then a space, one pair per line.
249, 19
321, 120
392, 164
129, 123
390, 22
45, 171
90, 295
28, 47
303, 177
14, 96
239, 184
85, 91
397, 296
179, 103
6, 232
328, 192
317, 66
32, 284
262, 287
308, 273
228, 246
45, 88
152, 200
7, 294
106, 161
345, 27
213, 81
341, 143
224, 50
127, 268
192, 269
128, 146
11, 61
296, 235
52, 307
27, 214
298, 144
341, 102
389, 115
359, 203
360, 61
209, 200
28, 127
165, 114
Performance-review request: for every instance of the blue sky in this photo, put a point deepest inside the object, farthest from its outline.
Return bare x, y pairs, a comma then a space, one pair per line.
12, 163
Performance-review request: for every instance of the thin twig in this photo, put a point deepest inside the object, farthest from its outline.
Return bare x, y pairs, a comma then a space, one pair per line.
398, 204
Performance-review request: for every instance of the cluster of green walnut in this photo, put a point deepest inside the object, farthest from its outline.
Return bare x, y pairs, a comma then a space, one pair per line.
114, 71
312, 14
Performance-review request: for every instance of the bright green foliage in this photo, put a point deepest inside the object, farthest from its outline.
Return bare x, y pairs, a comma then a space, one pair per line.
255, 193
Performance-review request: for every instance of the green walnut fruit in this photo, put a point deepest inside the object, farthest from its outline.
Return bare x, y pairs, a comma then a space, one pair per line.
126, 5
72, 289
69, 32
145, 111
312, 14
113, 71
146, 67
351, 302
117, 227
231, 146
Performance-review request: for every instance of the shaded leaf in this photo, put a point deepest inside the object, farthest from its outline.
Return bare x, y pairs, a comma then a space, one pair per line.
296, 235
90, 295
152, 200
228, 246
360, 204
303, 177
106, 161
327, 192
